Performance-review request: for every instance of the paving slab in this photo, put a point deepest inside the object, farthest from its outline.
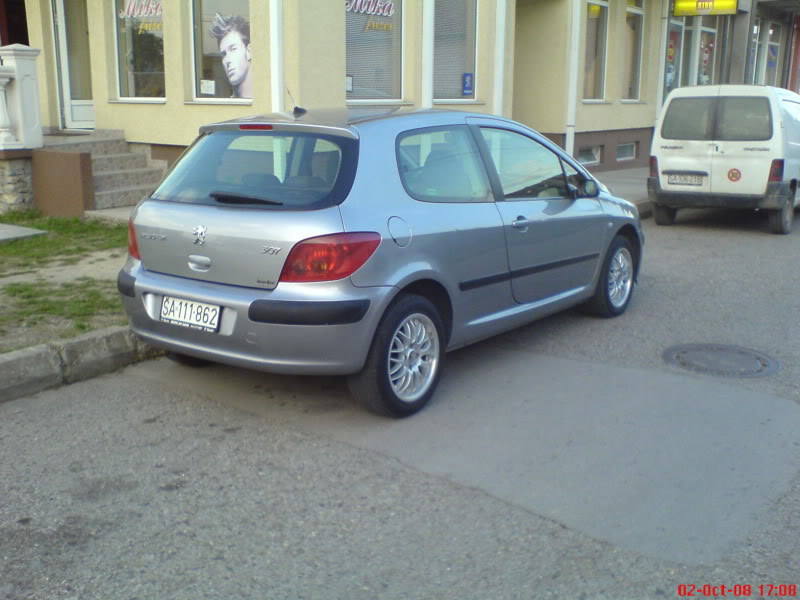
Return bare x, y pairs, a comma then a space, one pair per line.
15, 232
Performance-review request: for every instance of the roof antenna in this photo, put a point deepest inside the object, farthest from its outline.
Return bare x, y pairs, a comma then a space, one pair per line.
298, 111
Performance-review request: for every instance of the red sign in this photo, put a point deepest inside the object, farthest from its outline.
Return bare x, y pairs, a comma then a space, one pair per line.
734, 175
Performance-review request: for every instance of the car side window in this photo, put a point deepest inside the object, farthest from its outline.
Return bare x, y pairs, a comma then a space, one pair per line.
527, 169
442, 164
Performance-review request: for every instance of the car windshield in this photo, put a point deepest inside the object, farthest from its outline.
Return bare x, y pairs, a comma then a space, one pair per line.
270, 170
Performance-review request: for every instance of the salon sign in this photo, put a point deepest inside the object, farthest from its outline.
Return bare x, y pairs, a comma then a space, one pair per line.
377, 8
138, 9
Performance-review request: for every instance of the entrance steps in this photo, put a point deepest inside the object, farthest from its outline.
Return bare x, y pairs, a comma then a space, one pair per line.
121, 177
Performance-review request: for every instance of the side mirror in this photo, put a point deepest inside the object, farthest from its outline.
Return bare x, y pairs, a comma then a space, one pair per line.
574, 192
590, 188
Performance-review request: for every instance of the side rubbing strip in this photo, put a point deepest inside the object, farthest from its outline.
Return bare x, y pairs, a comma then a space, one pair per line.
125, 284
472, 284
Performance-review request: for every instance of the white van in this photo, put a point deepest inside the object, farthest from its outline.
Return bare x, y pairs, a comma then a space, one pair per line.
731, 146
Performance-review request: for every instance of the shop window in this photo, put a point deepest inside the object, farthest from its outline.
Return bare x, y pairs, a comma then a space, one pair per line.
626, 151
454, 49
594, 68
223, 58
674, 55
590, 155
140, 49
374, 51
773, 52
634, 33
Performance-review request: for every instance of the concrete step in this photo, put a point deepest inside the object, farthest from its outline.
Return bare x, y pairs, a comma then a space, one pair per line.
118, 162
96, 147
127, 196
107, 181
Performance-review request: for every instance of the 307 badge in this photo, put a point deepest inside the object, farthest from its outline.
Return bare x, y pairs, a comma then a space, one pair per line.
734, 175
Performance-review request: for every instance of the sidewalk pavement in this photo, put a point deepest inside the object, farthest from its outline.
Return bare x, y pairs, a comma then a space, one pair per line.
38, 368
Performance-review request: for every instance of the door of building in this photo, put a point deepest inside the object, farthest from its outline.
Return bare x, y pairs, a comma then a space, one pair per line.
74, 64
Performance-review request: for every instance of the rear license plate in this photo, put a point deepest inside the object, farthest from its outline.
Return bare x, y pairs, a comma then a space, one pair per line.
685, 179
196, 315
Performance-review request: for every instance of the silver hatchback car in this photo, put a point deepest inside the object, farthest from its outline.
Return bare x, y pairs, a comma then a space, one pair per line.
370, 244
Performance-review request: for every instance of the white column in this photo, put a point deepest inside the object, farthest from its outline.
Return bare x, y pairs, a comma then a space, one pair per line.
573, 76
6, 139
277, 80
22, 94
428, 24
498, 97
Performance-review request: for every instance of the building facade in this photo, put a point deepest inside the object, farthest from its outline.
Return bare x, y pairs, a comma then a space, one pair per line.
590, 74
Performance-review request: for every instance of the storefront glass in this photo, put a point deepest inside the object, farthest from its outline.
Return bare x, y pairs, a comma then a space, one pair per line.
140, 48
454, 49
594, 69
706, 57
672, 70
222, 49
374, 50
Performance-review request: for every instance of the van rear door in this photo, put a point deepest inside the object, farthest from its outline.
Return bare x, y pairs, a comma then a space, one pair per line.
746, 141
685, 144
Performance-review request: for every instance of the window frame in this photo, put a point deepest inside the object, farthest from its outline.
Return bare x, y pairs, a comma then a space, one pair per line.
403, 62
637, 10
604, 79
475, 67
118, 71
195, 99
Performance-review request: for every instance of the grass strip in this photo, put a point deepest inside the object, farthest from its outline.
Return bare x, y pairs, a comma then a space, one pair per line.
78, 302
66, 240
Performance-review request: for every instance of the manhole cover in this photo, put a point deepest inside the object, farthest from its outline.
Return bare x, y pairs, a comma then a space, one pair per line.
722, 360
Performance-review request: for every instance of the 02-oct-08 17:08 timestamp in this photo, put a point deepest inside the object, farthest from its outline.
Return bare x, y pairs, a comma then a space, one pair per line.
764, 590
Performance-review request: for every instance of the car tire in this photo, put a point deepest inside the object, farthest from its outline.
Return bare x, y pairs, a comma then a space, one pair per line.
615, 285
780, 221
405, 360
188, 361
664, 215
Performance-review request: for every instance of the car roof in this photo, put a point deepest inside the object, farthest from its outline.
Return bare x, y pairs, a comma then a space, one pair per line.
343, 119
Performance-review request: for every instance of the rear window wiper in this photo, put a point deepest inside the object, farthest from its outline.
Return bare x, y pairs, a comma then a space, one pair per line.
230, 198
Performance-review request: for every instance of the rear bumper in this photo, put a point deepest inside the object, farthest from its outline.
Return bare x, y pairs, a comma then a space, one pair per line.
313, 329
773, 198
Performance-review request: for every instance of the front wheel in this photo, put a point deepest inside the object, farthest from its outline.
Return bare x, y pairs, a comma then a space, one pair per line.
404, 361
780, 221
615, 286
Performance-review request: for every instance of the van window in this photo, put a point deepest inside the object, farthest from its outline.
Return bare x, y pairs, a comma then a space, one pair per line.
689, 119
743, 119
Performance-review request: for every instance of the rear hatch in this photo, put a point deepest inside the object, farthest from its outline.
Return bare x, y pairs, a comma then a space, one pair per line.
241, 197
685, 144
745, 145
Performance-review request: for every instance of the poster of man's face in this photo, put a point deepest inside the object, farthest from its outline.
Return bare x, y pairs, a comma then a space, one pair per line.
233, 36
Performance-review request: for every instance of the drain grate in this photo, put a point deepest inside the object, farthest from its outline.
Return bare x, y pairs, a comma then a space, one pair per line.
722, 360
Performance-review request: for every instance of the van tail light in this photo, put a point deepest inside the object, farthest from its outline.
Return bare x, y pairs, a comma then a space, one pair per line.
133, 245
653, 166
329, 257
776, 170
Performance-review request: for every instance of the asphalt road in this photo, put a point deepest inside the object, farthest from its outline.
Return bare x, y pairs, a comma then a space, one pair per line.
563, 460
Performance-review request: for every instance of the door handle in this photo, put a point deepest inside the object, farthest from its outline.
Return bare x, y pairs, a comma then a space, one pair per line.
521, 222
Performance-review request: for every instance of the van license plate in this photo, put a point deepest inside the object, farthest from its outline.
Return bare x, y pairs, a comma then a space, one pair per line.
186, 313
685, 179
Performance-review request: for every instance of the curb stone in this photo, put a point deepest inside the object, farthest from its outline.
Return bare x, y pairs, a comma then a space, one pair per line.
45, 366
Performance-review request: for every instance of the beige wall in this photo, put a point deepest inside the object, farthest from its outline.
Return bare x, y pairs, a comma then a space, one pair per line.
613, 112
541, 56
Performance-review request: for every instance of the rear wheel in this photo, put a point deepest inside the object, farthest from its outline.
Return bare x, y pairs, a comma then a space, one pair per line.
615, 287
780, 221
404, 362
664, 215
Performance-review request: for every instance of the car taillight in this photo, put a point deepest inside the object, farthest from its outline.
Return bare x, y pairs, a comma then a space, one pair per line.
329, 257
133, 245
776, 170
653, 166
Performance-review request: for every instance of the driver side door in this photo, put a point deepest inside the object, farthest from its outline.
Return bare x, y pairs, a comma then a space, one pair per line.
554, 238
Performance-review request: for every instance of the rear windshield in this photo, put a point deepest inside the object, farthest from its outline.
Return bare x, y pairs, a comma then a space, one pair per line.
724, 119
272, 170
